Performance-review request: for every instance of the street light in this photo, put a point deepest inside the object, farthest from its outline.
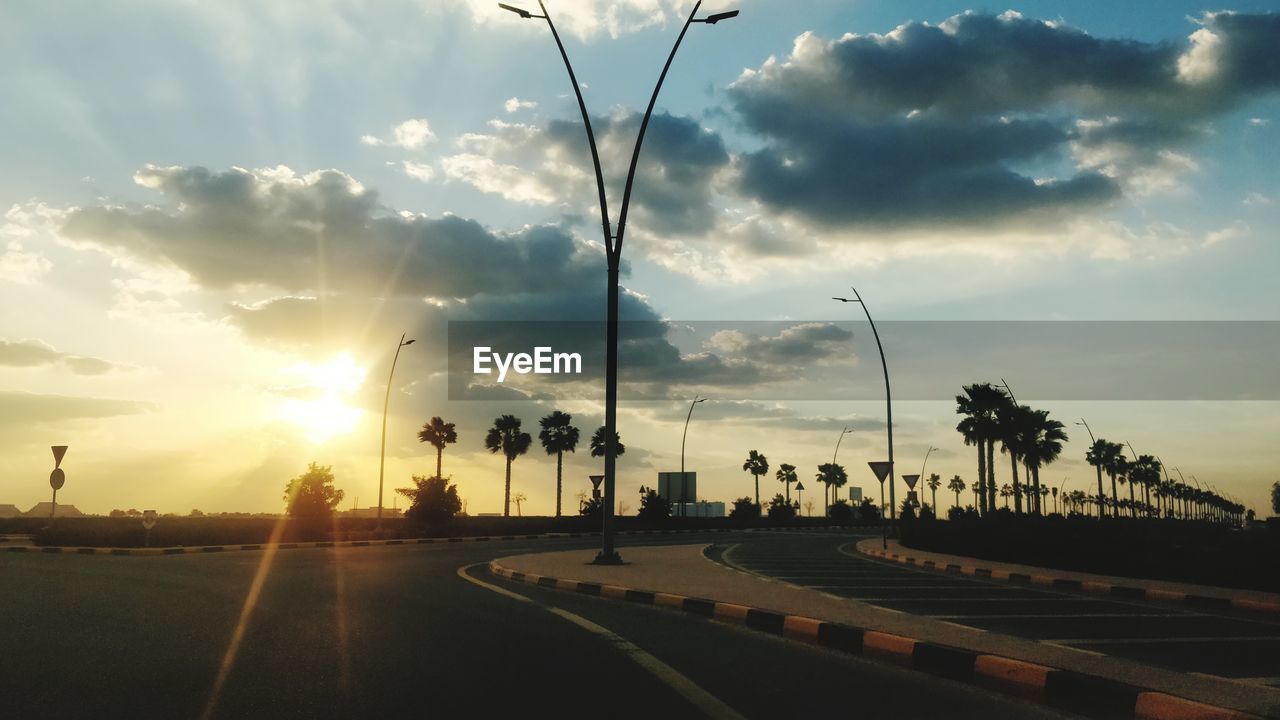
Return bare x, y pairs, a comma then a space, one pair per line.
926, 459
386, 402
847, 431
613, 251
684, 484
1086, 427
888, 397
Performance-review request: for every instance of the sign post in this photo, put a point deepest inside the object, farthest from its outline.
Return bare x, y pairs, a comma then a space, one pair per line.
911, 481
148, 522
595, 486
57, 478
881, 470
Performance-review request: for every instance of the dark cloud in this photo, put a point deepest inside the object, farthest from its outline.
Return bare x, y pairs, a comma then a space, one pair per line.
970, 121
30, 353
325, 232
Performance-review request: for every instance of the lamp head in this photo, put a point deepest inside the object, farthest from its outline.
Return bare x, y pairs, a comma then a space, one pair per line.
717, 17
519, 11
408, 342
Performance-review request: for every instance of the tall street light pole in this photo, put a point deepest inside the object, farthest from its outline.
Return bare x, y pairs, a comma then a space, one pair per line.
684, 484
847, 430
613, 250
888, 397
386, 402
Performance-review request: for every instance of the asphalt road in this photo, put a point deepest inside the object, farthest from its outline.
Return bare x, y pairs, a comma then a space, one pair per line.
1236, 646
397, 632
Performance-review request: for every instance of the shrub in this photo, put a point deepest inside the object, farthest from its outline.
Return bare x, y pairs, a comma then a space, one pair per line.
652, 505
593, 508
868, 513
432, 500
311, 499
744, 508
840, 512
780, 509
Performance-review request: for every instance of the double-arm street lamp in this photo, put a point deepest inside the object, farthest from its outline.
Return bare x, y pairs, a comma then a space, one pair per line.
613, 250
386, 402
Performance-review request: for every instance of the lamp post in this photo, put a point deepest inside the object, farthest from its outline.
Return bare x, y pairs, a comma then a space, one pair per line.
1062, 490
613, 250
847, 431
926, 459
386, 402
888, 397
684, 484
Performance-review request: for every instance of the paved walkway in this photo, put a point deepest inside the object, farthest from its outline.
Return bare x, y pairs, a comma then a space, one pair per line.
685, 570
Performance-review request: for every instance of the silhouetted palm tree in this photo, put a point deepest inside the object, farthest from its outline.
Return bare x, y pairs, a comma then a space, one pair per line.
597, 443
786, 475
439, 433
956, 485
1098, 456
1116, 466
1015, 423
833, 476
934, 482
558, 436
979, 404
505, 437
518, 498
757, 465
1043, 445
1006, 491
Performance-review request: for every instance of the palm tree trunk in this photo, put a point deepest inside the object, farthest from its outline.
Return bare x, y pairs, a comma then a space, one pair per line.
1017, 491
991, 475
982, 474
1133, 504
787, 485
439, 453
506, 500
1146, 495
559, 469
1115, 497
957, 492
757, 477
1099, 469
1035, 480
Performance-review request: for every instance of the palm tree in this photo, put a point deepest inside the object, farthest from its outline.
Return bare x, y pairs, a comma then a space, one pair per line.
1116, 466
833, 476
505, 437
1015, 424
597, 443
439, 433
786, 475
558, 437
956, 485
517, 499
1005, 491
1043, 446
979, 404
1098, 456
757, 465
934, 482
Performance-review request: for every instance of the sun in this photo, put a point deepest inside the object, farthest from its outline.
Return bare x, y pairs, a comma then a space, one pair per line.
318, 397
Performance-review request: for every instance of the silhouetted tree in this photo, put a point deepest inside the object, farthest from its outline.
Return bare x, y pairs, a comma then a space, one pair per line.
744, 508
786, 475
311, 498
431, 500
832, 475
505, 437
956, 485
757, 465
781, 508
652, 505
1275, 497
518, 498
980, 427
597, 443
558, 437
439, 433
840, 512
934, 481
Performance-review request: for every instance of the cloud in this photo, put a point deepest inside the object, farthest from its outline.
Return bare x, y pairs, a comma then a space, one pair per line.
515, 104
418, 171
588, 19
412, 134
23, 408
33, 353
968, 122
552, 165
324, 232
22, 267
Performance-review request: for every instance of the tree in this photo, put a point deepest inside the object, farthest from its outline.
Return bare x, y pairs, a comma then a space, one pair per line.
558, 436
652, 505
1275, 497
597, 443
744, 508
757, 465
840, 512
592, 508
505, 437
1016, 426
311, 498
786, 475
934, 482
1099, 456
956, 485
518, 498
1042, 444
439, 433
979, 405
832, 475
1006, 491
431, 500
781, 508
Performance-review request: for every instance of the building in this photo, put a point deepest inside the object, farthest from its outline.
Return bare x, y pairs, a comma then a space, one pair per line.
42, 510
702, 508
9, 511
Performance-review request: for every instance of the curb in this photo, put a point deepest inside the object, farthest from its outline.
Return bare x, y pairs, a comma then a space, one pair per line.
1063, 689
1127, 592
200, 549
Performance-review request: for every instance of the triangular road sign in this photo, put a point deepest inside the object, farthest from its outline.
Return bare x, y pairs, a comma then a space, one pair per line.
58, 452
911, 480
596, 480
881, 469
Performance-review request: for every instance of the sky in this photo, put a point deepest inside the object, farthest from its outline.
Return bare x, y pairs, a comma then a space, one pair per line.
219, 218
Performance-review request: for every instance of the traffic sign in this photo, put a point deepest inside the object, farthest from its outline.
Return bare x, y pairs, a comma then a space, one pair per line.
58, 452
911, 497
57, 479
148, 519
881, 469
911, 480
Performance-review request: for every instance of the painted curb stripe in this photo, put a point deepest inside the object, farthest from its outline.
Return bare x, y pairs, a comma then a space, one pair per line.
1091, 587
1064, 689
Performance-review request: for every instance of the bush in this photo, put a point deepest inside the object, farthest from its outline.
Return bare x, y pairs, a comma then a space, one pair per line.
593, 508
744, 508
652, 505
840, 512
311, 498
431, 500
868, 513
780, 509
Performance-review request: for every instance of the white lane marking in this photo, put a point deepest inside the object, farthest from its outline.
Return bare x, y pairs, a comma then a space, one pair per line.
709, 704
1161, 640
